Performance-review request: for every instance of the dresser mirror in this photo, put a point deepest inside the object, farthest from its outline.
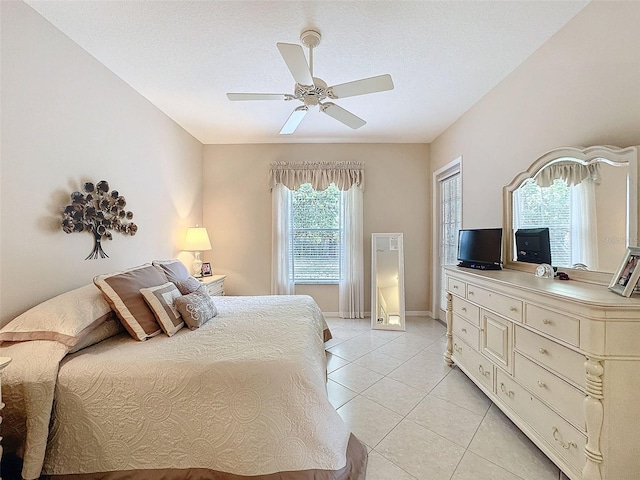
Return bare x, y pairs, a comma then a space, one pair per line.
588, 198
387, 281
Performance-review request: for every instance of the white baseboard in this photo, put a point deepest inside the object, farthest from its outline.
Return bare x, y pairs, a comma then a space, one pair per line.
409, 313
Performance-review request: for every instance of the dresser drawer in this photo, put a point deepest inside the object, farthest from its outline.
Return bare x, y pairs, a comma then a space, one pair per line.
497, 339
466, 331
505, 306
556, 357
467, 310
555, 324
557, 393
474, 363
565, 440
456, 287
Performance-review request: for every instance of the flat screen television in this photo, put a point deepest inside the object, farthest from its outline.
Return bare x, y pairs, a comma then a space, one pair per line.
533, 246
480, 248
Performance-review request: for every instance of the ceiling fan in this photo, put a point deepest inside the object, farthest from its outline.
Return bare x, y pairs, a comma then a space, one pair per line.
312, 91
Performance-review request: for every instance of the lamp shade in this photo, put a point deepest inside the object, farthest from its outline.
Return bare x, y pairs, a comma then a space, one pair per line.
197, 240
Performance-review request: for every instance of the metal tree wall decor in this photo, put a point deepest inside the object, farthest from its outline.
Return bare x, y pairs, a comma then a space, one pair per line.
98, 211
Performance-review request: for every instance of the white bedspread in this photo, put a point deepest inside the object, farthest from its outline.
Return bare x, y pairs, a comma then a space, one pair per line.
245, 394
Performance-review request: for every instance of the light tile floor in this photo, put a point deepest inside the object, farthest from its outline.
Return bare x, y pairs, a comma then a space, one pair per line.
420, 419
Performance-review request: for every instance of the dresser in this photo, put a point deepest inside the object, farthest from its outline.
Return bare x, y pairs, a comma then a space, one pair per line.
214, 284
560, 358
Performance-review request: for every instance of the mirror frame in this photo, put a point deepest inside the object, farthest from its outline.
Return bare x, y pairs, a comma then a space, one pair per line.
613, 155
374, 324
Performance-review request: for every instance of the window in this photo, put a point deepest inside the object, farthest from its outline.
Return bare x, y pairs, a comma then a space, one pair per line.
450, 221
552, 206
316, 235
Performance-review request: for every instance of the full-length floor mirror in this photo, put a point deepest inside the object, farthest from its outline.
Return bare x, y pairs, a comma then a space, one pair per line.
387, 281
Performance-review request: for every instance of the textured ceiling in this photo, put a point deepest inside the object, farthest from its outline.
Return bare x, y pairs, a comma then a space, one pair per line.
184, 56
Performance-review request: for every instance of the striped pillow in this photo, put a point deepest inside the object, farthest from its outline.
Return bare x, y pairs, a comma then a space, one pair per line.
160, 299
122, 291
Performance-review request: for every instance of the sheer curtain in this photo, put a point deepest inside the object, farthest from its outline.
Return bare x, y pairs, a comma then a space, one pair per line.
584, 225
349, 178
281, 282
351, 301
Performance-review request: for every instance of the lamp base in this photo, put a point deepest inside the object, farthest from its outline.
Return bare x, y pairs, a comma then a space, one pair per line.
197, 265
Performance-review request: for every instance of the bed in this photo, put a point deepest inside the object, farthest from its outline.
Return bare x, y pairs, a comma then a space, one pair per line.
242, 396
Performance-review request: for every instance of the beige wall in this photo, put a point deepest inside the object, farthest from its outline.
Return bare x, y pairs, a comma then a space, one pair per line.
237, 211
581, 88
66, 119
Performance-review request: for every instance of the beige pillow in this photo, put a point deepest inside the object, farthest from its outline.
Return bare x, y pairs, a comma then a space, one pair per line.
197, 308
160, 299
65, 318
190, 285
174, 270
122, 291
107, 329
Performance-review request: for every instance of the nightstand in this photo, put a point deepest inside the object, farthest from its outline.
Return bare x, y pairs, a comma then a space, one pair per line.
215, 284
4, 361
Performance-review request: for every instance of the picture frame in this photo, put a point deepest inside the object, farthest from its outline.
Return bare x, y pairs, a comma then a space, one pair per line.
626, 278
206, 269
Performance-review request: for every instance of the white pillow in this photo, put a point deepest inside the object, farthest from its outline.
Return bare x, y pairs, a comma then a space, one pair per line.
66, 318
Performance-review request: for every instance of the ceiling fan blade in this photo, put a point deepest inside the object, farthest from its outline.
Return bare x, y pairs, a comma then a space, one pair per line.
293, 56
342, 115
294, 120
255, 96
361, 87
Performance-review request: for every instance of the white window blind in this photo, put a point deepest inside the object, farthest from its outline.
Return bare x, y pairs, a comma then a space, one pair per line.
539, 207
316, 235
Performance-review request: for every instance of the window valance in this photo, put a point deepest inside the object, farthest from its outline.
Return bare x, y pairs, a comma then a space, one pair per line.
571, 172
319, 174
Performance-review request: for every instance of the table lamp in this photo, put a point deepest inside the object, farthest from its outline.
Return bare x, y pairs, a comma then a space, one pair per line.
197, 241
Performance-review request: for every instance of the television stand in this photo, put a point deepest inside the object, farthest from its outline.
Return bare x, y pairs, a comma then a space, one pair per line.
480, 266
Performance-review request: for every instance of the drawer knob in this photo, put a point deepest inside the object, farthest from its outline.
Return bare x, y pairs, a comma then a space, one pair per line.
542, 350
464, 330
457, 348
455, 287
513, 309
464, 309
483, 372
503, 389
471, 292
546, 321
558, 438
541, 384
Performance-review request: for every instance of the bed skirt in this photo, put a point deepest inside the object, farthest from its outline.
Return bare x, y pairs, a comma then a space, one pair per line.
355, 469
